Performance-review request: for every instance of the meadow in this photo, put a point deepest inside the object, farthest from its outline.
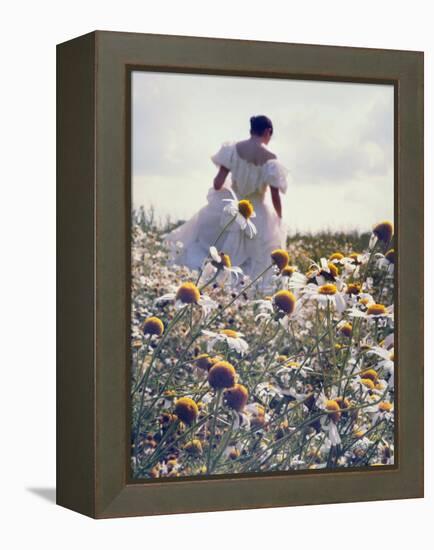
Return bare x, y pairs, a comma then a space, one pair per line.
227, 378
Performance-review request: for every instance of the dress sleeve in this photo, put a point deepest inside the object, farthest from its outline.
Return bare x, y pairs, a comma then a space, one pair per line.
276, 175
223, 157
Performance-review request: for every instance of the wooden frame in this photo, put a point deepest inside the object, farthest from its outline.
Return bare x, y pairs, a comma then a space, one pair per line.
93, 263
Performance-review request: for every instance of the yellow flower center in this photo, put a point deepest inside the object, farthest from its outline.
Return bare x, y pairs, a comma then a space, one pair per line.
280, 257
288, 271
204, 361
342, 402
376, 309
237, 397
353, 288
384, 231
333, 405
336, 256
186, 410
327, 289
371, 374
194, 447
230, 333
153, 325
385, 406
188, 293
355, 257
222, 375
282, 358
258, 417
392, 355
226, 260
334, 271
390, 255
245, 208
346, 329
368, 383
285, 301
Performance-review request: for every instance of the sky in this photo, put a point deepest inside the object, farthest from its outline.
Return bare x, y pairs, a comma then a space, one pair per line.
336, 140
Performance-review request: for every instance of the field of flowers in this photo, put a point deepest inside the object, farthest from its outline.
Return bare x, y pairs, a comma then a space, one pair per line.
227, 379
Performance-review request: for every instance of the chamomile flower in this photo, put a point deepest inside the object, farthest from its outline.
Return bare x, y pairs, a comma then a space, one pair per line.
382, 232
353, 264
264, 307
284, 301
291, 279
386, 261
254, 416
242, 211
328, 421
231, 338
324, 272
222, 375
373, 312
326, 294
188, 294
388, 362
280, 258
153, 326
220, 267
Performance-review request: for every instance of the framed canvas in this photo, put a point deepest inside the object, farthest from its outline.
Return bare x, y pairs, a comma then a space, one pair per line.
240, 274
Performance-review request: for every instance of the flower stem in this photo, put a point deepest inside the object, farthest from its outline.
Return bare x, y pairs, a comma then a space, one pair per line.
213, 429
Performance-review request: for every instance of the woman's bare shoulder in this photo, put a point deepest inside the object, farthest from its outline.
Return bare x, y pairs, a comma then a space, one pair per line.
253, 152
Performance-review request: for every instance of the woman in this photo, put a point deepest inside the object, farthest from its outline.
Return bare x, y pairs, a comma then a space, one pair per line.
256, 177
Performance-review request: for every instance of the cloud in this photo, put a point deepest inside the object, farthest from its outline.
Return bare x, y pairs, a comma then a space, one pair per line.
335, 138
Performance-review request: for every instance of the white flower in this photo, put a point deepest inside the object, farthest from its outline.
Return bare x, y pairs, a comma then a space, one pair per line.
220, 267
242, 211
188, 294
373, 312
328, 425
386, 261
352, 264
324, 294
265, 308
296, 281
230, 337
387, 364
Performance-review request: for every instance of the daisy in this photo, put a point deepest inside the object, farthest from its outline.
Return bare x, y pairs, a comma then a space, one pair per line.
382, 232
328, 421
230, 337
254, 416
188, 294
388, 362
382, 411
241, 211
326, 294
265, 308
323, 273
373, 312
386, 261
291, 279
220, 267
353, 264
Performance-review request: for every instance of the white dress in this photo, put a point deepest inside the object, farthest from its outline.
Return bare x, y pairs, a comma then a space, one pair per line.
190, 242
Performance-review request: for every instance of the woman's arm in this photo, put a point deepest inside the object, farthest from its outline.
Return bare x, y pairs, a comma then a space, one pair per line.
275, 197
220, 178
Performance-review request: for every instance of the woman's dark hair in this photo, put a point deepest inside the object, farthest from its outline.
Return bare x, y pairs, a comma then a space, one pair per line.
260, 123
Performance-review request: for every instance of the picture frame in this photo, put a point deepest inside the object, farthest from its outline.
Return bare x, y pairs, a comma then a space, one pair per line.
93, 282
